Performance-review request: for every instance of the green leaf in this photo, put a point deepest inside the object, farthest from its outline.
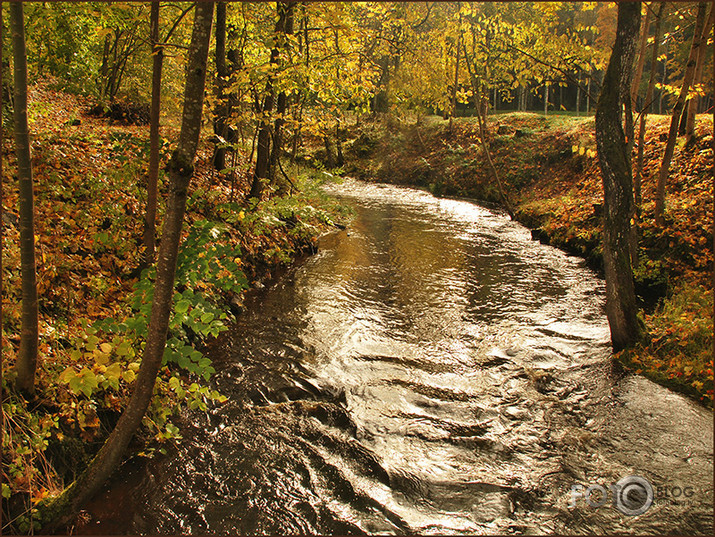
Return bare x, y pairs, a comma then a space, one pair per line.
67, 375
124, 348
182, 306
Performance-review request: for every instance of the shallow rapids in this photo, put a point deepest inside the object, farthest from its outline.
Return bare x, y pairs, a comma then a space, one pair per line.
431, 370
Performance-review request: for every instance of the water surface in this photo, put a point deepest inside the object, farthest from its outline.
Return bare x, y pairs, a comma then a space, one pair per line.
431, 370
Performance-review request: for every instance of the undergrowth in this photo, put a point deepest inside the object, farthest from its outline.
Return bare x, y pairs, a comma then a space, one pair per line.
94, 306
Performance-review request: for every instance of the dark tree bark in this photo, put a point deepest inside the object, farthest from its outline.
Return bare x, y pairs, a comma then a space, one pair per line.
261, 174
675, 117
635, 87
281, 109
221, 110
453, 100
153, 179
615, 164
27, 357
646, 107
181, 167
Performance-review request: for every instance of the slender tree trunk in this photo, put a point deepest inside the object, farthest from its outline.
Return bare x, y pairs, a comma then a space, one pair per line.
646, 108
181, 167
221, 109
281, 108
2, 191
615, 166
635, 88
578, 96
456, 83
153, 179
483, 132
262, 171
699, 65
675, 117
546, 99
663, 80
27, 358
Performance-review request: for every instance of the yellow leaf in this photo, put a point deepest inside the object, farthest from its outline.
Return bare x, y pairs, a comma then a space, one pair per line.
128, 375
100, 357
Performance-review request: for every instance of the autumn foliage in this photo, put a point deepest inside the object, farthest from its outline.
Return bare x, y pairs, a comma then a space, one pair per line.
90, 190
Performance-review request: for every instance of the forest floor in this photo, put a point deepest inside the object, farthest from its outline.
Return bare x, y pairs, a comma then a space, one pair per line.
90, 179
550, 172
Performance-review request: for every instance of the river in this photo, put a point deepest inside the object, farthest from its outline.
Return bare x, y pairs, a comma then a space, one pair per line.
430, 370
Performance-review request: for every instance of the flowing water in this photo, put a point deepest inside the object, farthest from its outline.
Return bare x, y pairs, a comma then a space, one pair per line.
431, 370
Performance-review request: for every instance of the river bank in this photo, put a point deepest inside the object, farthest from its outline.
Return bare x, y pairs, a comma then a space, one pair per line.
90, 188
550, 173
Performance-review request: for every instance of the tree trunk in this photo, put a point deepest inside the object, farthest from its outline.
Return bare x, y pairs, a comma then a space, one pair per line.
281, 107
453, 100
181, 167
675, 117
699, 65
27, 358
261, 174
635, 88
615, 166
153, 179
221, 109
546, 99
483, 133
646, 108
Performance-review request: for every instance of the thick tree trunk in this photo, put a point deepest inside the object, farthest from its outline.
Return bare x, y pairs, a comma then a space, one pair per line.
61, 509
646, 107
27, 358
699, 65
263, 148
675, 117
153, 179
615, 166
